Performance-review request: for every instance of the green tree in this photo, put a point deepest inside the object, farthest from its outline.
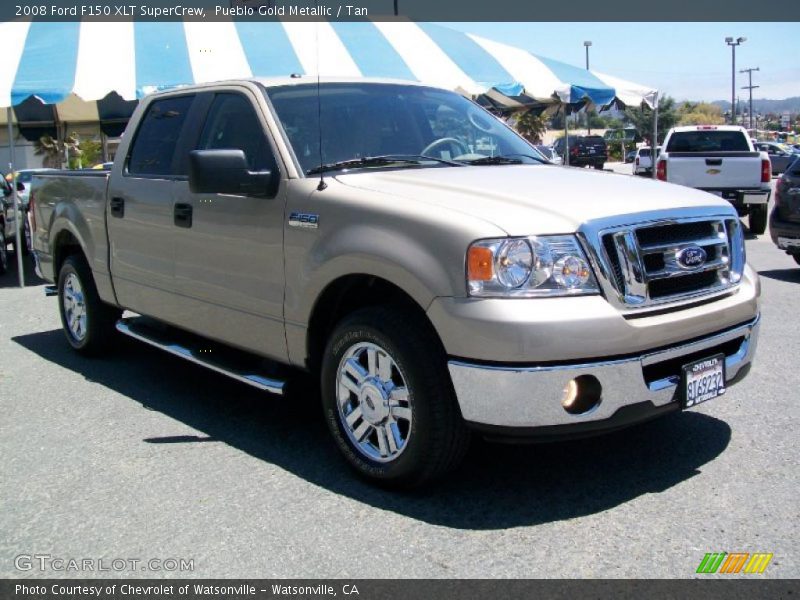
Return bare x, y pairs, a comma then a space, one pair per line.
700, 113
642, 118
531, 126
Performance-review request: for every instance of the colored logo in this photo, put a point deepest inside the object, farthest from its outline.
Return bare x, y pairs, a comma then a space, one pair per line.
691, 257
734, 562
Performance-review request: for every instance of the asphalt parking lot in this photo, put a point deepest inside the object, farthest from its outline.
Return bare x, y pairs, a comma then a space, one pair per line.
139, 455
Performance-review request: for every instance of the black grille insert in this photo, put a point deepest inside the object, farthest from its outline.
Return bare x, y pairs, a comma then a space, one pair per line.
675, 233
684, 284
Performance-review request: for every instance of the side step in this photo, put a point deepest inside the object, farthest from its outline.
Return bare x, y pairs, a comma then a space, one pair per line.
227, 361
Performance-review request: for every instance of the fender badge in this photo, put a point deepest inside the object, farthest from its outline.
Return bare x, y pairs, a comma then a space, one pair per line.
304, 220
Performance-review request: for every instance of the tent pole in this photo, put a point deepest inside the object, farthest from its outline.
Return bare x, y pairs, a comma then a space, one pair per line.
17, 212
566, 137
654, 141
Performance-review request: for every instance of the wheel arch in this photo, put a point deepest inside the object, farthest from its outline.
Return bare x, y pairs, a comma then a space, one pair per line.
347, 294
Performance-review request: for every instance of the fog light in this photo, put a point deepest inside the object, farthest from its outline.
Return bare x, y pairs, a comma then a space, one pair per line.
582, 394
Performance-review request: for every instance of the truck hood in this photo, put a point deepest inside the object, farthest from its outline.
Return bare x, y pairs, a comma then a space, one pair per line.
533, 199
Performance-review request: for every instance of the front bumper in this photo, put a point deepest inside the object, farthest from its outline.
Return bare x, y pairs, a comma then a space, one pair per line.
525, 401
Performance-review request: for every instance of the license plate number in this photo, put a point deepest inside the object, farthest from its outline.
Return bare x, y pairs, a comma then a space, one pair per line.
703, 380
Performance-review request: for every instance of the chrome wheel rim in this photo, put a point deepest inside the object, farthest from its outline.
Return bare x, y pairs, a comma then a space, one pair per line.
374, 402
74, 307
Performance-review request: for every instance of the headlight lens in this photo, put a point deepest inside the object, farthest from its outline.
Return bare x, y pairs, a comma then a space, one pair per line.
529, 267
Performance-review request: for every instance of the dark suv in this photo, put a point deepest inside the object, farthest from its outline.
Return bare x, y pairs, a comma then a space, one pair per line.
584, 150
784, 222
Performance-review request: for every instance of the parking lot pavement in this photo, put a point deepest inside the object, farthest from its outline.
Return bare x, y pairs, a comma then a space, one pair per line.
141, 456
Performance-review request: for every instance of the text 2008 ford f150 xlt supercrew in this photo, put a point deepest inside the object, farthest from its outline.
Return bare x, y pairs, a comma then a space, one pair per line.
423, 263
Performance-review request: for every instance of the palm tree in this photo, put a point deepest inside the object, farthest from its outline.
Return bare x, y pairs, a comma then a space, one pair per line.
531, 126
51, 150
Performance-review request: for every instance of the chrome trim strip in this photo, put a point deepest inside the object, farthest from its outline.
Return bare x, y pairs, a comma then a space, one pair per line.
274, 386
516, 396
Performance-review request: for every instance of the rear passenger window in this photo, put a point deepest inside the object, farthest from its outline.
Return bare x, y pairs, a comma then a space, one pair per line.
154, 147
232, 123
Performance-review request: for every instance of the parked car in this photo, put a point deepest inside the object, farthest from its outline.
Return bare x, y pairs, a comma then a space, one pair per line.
719, 159
584, 151
8, 231
432, 291
643, 161
784, 221
630, 156
24, 177
550, 154
780, 155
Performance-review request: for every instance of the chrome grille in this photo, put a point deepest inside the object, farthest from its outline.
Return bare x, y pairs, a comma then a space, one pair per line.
640, 263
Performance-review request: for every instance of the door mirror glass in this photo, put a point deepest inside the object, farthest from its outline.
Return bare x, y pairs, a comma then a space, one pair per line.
227, 172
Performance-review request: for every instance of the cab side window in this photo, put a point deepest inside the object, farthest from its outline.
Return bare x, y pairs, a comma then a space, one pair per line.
232, 123
153, 149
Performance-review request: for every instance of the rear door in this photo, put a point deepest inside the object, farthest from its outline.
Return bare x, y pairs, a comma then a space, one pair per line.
712, 159
139, 214
789, 190
229, 257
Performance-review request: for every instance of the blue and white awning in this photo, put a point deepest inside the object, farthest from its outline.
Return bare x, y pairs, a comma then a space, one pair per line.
52, 61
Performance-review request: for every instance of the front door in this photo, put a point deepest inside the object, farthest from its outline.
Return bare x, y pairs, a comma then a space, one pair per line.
229, 248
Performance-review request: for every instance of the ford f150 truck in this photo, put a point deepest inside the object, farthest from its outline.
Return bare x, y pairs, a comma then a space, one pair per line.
719, 159
410, 251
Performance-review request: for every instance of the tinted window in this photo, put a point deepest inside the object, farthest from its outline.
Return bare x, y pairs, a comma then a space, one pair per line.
154, 147
708, 141
232, 123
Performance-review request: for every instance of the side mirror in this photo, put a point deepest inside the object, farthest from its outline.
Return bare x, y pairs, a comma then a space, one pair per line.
227, 172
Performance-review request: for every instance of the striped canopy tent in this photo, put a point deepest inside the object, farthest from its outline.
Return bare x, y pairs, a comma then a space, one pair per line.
58, 62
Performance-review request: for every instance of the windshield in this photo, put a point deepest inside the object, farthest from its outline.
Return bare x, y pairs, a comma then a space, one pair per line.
361, 120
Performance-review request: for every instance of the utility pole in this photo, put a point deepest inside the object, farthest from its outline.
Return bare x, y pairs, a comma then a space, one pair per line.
586, 45
733, 43
750, 87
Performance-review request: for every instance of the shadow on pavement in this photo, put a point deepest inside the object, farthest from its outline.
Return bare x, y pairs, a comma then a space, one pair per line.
10, 280
788, 275
497, 487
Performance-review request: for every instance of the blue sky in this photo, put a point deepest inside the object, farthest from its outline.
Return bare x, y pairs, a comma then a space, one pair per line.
685, 60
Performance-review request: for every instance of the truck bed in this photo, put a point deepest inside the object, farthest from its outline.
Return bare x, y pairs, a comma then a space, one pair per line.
77, 198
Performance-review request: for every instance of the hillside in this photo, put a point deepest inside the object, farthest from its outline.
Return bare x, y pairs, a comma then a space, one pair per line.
764, 106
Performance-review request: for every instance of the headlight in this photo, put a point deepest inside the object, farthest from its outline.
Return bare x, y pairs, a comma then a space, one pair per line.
553, 265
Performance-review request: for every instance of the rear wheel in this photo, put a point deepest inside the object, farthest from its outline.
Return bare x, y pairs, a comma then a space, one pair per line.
88, 322
3, 250
758, 219
388, 399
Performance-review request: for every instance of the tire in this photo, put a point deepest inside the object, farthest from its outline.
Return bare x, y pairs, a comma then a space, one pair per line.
758, 219
599, 166
3, 250
88, 322
796, 258
26, 238
398, 423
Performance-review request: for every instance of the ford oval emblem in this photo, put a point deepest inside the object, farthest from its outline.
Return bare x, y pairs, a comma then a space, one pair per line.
691, 257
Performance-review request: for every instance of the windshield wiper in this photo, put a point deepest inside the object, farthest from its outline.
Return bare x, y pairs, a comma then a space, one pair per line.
504, 159
381, 161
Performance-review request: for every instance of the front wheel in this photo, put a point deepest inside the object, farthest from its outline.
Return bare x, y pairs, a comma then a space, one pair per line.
88, 322
758, 219
388, 399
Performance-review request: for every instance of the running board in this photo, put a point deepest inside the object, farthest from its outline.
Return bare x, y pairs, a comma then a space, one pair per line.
188, 347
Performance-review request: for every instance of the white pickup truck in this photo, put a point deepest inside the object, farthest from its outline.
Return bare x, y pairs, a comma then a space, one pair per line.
719, 159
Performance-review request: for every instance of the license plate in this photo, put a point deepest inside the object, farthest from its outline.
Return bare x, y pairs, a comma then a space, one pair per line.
703, 380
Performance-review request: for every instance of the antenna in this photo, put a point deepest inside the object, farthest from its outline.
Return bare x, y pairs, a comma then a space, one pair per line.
322, 185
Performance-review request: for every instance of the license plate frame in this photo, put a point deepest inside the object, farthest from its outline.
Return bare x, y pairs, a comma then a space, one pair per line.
707, 375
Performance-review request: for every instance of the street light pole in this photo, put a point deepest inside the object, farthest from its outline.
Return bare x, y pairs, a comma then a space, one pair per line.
733, 43
586, 45
750, 87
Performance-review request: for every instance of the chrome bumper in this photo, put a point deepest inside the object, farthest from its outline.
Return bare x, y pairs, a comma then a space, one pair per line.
530, 397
